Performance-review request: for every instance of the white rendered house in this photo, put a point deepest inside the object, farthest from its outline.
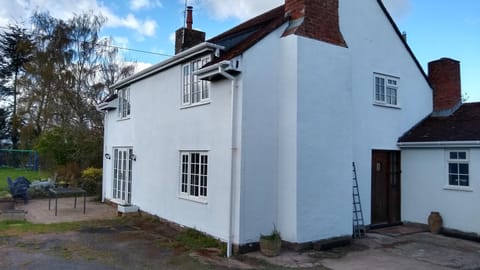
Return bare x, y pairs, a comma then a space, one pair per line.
259, 126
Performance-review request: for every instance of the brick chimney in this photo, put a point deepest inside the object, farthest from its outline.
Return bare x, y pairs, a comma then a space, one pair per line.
187, 37
444, 76
316, 19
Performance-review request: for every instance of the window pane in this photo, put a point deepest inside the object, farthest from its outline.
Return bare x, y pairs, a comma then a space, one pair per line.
379, 89
186, 84
453, 180
463, 180
453, 168
462, 155
463, 168
392, 95
453, 155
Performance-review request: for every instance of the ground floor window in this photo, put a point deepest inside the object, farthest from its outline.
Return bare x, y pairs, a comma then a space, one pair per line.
194, 174
458, 171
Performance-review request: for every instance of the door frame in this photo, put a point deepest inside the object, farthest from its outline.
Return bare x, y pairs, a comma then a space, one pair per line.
392, 188
122, 174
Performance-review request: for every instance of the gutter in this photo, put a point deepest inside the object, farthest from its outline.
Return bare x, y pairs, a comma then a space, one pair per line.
439, 144
220, 68
198, 49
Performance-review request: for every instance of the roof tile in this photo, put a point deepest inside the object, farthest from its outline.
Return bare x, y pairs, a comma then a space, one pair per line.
462, 125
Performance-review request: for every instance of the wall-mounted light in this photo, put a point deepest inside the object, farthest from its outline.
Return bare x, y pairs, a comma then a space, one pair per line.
133, 157
107, 156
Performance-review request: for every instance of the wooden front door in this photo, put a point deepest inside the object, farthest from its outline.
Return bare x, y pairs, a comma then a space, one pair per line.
385, 187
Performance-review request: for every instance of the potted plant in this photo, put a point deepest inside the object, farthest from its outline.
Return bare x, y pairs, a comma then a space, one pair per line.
271, 244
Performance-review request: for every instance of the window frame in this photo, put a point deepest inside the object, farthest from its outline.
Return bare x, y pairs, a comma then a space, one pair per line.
124, 112
193, 90
193, 175
458, 161
390, 83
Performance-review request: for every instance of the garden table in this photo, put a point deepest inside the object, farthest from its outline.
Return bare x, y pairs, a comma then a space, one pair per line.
65, 192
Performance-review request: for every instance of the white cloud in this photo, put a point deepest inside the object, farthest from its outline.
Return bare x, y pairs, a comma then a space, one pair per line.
146, 27
15, 11
120, 41
142, 4
245, 9
139, 65
171, 37
143, 27
239, 9
398, 8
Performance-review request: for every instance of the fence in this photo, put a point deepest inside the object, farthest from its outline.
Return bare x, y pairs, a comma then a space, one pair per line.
16, 158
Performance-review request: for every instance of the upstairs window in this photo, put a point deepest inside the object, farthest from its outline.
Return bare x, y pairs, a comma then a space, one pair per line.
458, 171
124, 103
194, 90
386, 90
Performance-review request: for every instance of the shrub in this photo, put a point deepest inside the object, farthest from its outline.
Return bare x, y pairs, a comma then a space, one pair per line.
93, 173
91, 181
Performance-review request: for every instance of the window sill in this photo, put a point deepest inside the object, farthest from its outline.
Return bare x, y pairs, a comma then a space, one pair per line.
120, 202
195, 104
193, 199
123, 119
387, 105
458, 188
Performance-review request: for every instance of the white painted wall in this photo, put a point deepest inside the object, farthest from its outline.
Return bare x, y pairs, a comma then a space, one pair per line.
158, 129
424, 173
375, 47
262, 80
287, 197
324, 141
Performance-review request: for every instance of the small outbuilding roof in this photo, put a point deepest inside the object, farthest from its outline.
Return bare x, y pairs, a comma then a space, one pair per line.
462, 125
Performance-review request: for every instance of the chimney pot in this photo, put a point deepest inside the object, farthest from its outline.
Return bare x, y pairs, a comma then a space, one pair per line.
189, 20
187, 37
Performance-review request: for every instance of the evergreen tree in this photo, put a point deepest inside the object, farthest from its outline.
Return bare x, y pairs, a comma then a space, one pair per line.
16, 47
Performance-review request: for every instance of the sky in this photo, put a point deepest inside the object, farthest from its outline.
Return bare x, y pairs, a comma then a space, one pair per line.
435, 28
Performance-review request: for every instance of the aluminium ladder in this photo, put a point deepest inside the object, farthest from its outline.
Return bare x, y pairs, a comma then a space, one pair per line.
358, 224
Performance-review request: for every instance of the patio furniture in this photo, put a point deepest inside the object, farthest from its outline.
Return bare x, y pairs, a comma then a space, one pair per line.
19, 188
67, 192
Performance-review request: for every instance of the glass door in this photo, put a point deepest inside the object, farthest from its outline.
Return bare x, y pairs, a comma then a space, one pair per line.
122, 174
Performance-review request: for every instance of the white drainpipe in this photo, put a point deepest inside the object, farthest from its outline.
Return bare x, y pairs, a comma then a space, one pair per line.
105, 150
233, 149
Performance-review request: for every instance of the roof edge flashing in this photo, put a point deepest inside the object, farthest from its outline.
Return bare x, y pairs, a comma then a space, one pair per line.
440, 144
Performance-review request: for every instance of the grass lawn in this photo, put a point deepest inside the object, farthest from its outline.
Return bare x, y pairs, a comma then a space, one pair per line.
14, 173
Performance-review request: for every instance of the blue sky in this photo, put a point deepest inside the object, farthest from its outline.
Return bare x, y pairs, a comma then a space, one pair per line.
435, 28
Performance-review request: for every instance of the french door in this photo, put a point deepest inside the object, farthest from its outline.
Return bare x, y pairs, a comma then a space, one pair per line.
122, 174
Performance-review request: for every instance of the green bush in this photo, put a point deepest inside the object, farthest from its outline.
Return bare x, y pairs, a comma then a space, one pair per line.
91, 181
93, 173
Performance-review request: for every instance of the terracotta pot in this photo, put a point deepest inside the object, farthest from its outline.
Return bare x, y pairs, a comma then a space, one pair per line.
435, 222
270, 247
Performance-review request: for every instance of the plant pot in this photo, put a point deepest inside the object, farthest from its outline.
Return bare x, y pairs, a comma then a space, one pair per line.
435, 222
270, 247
